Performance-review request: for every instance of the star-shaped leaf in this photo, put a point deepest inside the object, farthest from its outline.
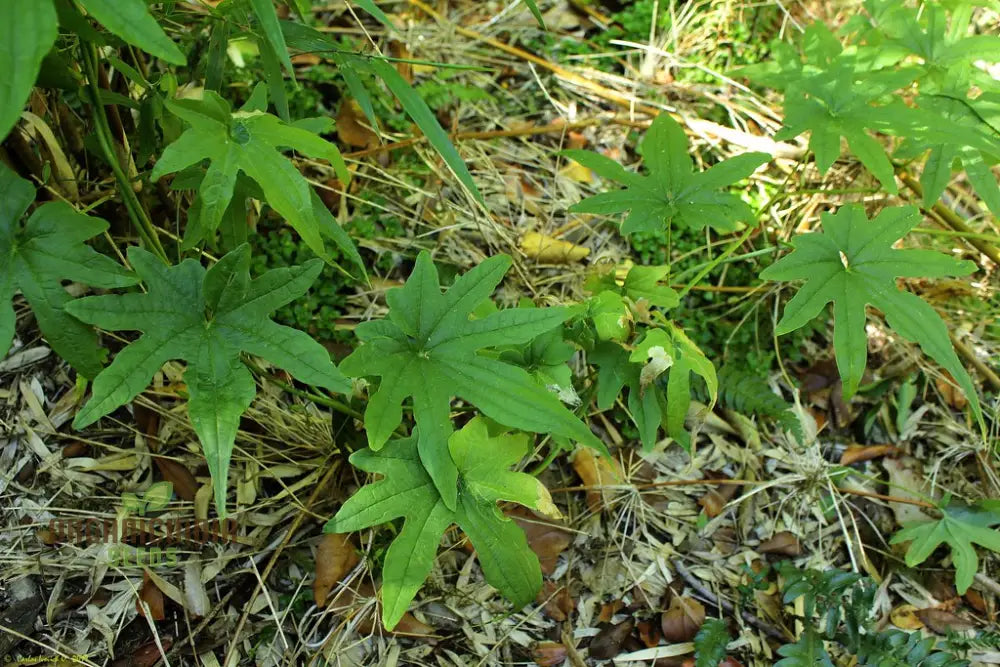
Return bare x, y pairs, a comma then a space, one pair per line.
853, 264
406, 491
249, 141
430, 349
960, 526
673, 191
37, 256
206, 318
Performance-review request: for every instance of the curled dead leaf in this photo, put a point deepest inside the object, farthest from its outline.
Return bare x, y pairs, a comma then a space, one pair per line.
175, 472
859, 453
551, 250
335, 557
649, 633
546, 539
680, 623
905, 617
784, 543
557, 601
597, 472
150, 599
944, 622
352, 127
548, 654
607, 643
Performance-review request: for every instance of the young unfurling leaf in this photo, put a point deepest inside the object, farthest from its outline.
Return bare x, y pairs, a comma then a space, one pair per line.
207, 318
853, 264
430, 349
406, 491
37, 256
249, 141
673, 191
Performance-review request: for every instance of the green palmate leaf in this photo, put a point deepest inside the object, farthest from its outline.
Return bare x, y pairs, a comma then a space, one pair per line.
27, 31
37, 256
206, 318
710, 643
248, 141
960, 526
430, 349
406, 491
852, 263
673, 191
131, 20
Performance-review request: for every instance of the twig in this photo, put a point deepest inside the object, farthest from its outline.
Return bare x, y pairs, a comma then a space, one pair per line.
727, 606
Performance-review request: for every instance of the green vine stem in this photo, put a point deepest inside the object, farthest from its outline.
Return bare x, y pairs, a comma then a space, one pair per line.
132, 204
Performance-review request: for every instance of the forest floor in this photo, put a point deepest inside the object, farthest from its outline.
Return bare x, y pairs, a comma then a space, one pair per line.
650, 545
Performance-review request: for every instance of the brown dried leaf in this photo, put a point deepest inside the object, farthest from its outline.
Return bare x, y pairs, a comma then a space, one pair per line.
185, 485
152, 597
149, 653
905, 617
596, 471
335, 557
681, 621
607, 643
952, 395
548, 654
550, 250
352, 128
559, 604
859, 453
942, 622
608, 610
976, 600
75, 449
649, 633
547, 540
784, 543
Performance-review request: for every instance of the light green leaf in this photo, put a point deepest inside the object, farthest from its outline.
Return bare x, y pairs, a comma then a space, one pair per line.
131, 20
250, 142
205, 318
376, 13
37, 256
854, 264
643, 282
673, 191
960, 526
430, 349
407, 491
27, 32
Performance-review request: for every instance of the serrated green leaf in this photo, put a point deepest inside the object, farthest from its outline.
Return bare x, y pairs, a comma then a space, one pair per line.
407, 491
251, 143
430, 349
27, 31
37, 256
960, 526
710, 643
853, 264
206, 318
131, 20
808, 651
673, 191
417, 109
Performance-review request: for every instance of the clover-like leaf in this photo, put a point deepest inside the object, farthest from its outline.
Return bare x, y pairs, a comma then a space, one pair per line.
960, 526
673, 191
853, 264
249, 141
205, 318
430, 349
407, 491
37, 256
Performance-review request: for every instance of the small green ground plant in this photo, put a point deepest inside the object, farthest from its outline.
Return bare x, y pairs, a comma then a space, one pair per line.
455, 387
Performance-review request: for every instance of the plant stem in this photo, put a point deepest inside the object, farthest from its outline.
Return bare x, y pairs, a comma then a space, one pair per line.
718, 260
993, 238
132, 204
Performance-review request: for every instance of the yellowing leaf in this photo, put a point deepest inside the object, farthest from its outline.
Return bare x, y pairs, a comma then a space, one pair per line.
550, 250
